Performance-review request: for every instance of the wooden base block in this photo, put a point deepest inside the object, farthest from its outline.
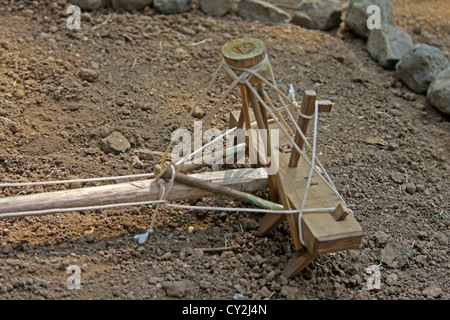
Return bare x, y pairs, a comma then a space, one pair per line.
321, 232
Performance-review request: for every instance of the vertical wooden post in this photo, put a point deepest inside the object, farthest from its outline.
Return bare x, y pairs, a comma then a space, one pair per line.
245, 116
307, 108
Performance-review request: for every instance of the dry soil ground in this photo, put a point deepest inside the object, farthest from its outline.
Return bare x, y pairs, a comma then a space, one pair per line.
151, 69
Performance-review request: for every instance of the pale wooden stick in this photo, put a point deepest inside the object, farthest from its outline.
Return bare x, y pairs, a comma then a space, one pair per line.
247, 180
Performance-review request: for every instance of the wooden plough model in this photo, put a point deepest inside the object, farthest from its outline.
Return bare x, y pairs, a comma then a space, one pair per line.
301, 191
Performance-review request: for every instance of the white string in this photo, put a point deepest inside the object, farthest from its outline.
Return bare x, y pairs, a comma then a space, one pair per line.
206, 145
87, 208
163, 192
55, 182
308, 183
251, 210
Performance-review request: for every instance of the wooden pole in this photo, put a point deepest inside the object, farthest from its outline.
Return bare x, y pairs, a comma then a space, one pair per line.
246, 180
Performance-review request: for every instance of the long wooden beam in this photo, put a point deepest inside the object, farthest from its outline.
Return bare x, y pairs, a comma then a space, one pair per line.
246, 180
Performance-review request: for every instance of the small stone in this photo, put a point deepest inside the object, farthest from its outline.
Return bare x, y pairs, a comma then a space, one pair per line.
432, 291
115, 143
392, 146
264, 293
90, 237
167, 256
283, 280
120, 102
88, 74
175, 288
421, 258
361, 295
381, 238
410, 188
422, 235
197, 113
248, 224
355, 280
288, 292
7, 249
393, 255
74, 184
182, 254
420, 187
348, 159
398, 177
3, 113
238, 296
147, 107
391, 279
95, 65
145, 154
141, 250
308, 273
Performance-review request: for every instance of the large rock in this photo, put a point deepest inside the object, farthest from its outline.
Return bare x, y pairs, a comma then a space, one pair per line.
318, 14
262, 11
216, 7
438, 93
357, 16
172, 6
89, 5
420, 66
130, 5
388, 45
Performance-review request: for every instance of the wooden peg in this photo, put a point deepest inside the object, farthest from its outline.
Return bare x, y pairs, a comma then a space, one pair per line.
339, 213
325, 105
